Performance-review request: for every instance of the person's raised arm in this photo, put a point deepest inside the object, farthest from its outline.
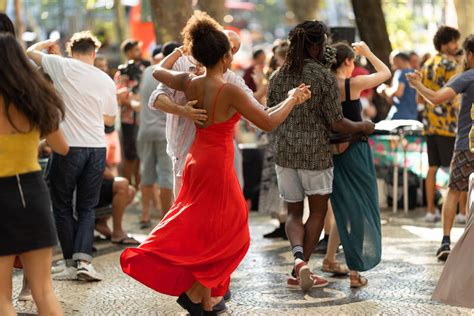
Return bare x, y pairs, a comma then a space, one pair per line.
173, 79
35, 51
434, 97
170, 60
257, 115
381, 75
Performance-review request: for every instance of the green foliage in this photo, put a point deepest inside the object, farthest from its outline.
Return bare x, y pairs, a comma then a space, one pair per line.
405, 27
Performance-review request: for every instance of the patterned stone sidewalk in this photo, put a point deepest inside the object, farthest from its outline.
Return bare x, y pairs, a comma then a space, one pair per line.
401, 285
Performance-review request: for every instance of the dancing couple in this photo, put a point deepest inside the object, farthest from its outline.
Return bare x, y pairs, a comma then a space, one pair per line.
204, 237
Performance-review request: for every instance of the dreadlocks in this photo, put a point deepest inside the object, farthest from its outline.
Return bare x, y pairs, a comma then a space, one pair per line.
302, 38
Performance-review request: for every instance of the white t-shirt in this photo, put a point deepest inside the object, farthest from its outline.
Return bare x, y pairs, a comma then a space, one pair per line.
88, 94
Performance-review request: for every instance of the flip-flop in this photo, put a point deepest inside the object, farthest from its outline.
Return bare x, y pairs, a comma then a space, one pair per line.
128, 240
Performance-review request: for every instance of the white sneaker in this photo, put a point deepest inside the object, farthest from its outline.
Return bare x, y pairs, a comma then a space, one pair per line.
461, 219
432, 217
86, 272
68, 274
58, 269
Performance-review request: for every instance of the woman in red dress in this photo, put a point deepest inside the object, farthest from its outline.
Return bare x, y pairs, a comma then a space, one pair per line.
204, 237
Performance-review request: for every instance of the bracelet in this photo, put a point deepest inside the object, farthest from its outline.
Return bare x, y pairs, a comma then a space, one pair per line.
179, 50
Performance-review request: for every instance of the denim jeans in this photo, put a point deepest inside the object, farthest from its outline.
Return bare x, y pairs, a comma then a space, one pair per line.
82, 170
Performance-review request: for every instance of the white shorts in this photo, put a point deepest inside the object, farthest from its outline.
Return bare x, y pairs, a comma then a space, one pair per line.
295, 184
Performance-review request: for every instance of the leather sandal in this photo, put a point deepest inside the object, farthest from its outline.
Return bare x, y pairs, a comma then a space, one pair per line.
358, 281
335, 267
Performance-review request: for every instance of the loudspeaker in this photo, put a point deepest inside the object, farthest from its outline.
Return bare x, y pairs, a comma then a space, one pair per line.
343, 33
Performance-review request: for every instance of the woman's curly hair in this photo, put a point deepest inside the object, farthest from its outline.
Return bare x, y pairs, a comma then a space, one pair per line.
205, 39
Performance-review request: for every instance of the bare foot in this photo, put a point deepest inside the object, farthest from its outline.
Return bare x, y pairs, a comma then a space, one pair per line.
216, 300
103, 229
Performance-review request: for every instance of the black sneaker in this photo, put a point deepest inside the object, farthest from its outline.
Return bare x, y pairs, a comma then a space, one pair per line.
443, 252
277, 233
321, 247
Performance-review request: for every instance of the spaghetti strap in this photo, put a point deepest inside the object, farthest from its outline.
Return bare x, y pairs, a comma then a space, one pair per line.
215, 102
347, 87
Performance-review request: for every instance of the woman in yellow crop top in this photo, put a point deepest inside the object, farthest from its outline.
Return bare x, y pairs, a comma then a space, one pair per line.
29, 109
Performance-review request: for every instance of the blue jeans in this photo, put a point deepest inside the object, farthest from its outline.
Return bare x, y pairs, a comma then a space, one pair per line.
82, 170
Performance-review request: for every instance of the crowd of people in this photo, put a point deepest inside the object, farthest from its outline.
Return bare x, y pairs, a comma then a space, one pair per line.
178, 117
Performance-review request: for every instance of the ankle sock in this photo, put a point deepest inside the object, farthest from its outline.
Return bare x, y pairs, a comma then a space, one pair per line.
446, 240
298, 252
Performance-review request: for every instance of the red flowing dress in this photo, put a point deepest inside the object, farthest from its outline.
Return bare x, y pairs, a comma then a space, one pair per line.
205, 235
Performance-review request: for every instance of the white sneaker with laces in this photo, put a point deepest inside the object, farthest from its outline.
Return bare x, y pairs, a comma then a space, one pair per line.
68, 274
86, 272
461, 219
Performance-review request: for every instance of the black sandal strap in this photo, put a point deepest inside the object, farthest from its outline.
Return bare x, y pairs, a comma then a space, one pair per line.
194, 309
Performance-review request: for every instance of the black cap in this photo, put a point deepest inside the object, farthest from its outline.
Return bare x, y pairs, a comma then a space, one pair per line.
169, 47
157, 50
128, 44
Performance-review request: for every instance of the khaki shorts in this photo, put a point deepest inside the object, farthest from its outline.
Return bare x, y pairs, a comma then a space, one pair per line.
295, 184
155, 164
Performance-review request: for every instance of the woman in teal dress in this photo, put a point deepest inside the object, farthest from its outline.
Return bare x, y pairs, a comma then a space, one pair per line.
354, 198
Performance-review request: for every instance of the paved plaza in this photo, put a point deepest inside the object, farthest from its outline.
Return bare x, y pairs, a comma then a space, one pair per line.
401, 285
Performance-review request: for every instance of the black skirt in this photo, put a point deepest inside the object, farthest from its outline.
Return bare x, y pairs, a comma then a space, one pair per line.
26, 215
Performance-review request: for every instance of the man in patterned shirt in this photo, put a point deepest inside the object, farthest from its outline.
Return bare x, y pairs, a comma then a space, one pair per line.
462, 164
303, 155
440, 120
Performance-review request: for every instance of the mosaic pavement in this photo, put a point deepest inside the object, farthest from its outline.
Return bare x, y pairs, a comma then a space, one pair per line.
401, 285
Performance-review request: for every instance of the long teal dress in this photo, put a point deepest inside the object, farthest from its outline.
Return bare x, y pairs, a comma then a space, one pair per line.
355, 199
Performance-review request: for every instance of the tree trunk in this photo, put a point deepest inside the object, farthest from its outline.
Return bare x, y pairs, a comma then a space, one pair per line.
464, 10
370, 21
19, 27
120, 21
303, 9
215, 8
169, 18
372, 28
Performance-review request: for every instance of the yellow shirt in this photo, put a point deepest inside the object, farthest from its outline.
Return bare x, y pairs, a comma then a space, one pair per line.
440, 119
19, 153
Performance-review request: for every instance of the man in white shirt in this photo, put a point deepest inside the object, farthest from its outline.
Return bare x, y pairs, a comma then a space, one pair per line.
90, 101
180, 128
